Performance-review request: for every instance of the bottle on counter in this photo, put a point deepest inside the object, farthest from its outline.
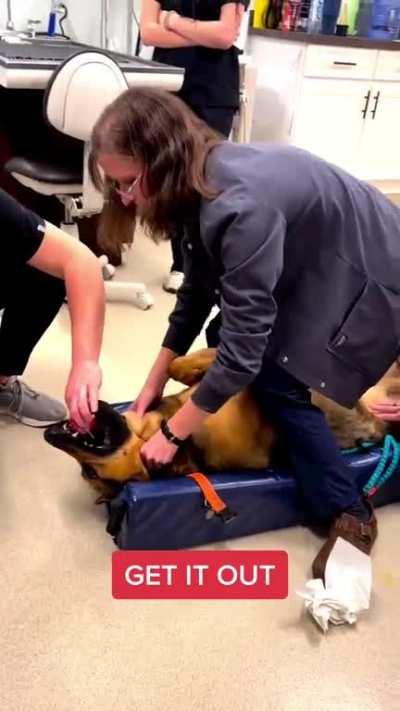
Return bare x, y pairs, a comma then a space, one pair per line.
51, 29
352, 12
304, 15
342, 26
273, 14
315, 17
394, 23
384, 23
290, 15
330, 16
364, 18
260, 10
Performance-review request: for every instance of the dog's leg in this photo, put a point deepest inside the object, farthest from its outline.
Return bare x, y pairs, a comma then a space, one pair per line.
189, 369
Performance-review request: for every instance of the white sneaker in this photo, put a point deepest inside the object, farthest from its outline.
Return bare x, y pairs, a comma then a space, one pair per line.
173, 282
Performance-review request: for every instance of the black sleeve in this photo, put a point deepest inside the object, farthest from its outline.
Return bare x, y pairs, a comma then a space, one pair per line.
193, 306
252, 237
22, 232
246, 3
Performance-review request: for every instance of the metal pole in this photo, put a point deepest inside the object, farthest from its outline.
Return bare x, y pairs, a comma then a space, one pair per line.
129, 22
106, 37
104, 25
10, 23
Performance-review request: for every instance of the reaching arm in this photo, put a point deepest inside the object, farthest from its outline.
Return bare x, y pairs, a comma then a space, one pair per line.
66, 258
252, 247
152, 33
252, 255
194, 303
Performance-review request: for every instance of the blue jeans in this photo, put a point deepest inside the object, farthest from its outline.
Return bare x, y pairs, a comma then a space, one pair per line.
326, 482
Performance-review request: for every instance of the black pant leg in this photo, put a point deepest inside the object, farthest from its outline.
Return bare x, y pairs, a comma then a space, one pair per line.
220, 118
31, 299
325, 479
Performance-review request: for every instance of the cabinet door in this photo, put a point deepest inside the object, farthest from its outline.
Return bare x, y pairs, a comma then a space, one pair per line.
328, 119
380, 145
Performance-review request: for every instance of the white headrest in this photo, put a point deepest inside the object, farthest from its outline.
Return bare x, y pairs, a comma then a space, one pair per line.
80, 90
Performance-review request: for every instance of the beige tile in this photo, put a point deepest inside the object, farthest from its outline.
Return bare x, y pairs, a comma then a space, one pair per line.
66, 645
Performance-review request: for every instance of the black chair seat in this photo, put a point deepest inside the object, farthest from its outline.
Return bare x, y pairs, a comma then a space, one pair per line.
60, 173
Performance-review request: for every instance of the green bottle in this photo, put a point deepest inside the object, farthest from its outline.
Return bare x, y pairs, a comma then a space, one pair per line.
352, 12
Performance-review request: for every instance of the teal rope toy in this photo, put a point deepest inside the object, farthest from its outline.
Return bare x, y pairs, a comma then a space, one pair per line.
386, 467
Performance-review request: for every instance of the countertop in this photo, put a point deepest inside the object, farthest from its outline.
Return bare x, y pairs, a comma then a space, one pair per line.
328, 40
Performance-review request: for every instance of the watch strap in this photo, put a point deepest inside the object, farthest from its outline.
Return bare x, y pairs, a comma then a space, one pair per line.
169, 435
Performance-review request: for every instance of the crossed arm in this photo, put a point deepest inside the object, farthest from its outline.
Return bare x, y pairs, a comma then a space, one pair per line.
170, 30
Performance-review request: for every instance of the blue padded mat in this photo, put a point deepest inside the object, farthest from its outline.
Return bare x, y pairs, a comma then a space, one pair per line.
170, 513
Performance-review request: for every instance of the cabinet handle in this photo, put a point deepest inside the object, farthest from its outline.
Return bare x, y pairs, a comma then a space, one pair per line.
376, 99
365, 109
346, 64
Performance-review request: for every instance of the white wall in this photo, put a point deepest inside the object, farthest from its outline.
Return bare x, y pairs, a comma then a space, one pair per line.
83, 23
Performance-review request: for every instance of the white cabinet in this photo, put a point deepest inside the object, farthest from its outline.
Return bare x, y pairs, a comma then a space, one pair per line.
339, 62
329, 119
344, 103
350, 122
380, 145
353, 124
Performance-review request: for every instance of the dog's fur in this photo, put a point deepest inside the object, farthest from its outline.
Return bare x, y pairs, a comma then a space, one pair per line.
236, 437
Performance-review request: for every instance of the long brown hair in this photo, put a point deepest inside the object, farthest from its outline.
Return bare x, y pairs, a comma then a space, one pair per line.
158, 130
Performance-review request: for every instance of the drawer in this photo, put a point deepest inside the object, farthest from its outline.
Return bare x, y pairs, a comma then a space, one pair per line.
388, 66
340, 62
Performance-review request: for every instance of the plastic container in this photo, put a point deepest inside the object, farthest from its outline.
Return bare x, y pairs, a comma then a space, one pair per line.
385, 20
260, 10
342, 26
364, 18
51, 29
352, 10
315, 17
330, 16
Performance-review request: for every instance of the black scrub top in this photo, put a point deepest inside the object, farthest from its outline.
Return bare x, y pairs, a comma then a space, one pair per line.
212, 75
22, 233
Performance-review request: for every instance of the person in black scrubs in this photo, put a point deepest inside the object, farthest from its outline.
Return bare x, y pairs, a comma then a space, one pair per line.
40, 266
198, 35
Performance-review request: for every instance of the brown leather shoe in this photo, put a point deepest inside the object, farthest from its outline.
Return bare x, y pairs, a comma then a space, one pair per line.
362, 534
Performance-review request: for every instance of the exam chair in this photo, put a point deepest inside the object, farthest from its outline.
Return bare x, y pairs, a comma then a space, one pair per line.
78, 92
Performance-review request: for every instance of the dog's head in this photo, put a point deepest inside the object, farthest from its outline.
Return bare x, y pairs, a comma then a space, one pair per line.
110, 453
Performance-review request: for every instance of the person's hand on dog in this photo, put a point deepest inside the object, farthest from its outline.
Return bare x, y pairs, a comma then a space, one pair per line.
148, 396
157, 453
388, 411
155, 383
82, 393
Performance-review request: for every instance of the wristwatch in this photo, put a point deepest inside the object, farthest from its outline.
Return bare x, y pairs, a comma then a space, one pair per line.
169, 435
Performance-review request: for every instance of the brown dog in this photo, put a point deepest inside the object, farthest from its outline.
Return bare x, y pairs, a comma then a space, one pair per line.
236, 437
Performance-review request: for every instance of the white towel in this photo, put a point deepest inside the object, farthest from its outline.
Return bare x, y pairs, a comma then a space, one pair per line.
347, 589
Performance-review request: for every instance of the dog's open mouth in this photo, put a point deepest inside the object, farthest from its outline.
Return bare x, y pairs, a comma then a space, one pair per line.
110, 431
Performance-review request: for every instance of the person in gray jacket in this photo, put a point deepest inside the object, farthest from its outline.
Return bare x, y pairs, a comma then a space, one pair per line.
303, 261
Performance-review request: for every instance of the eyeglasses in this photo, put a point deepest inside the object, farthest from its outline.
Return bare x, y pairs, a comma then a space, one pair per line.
126, 194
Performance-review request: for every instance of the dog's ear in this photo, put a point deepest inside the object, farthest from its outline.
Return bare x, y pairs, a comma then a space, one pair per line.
144, 427
135, 421
151, 423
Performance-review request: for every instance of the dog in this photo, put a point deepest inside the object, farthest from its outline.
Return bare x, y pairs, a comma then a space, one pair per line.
238, 436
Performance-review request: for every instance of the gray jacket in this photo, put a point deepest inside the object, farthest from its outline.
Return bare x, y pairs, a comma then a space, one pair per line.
304, 261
